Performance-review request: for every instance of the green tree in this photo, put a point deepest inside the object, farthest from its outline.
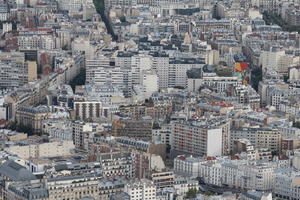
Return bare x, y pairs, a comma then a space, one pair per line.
155, 125
13, 125
224, 72
123, 19
296, 124
208, 193
99, 4
100, 7
192, 193
25, 129
65, 47
273, 18
194, 73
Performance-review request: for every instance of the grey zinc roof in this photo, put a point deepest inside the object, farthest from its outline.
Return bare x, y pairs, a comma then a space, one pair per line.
16, 172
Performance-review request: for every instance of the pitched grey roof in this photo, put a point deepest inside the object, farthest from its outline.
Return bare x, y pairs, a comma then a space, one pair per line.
15, 172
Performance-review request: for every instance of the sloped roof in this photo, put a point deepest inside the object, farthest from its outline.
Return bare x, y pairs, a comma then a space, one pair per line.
15, 172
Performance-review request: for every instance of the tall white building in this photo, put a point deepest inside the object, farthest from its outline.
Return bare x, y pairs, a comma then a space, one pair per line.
14, 71
103, 72
179, 67
160, 64
197, 139
6, 27
136, 71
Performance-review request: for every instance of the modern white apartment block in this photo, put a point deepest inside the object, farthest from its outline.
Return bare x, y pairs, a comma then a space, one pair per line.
160, 64
197, 139
102, 71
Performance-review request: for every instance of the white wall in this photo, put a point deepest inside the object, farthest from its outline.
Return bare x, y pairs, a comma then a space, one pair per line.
214, 142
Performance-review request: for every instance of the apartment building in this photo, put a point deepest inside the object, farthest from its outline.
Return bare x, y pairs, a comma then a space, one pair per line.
103, 71
32, 117
111, 3
163, 135
137, 129
117, 164
259, 137
163, 179
141, 189
218, 84
193, 138
160, 64
276, 59
188, 166
85, 110
79, 130
258, 175
178, 69
67, 187
15, 71
39, 150
286, 184
36, 42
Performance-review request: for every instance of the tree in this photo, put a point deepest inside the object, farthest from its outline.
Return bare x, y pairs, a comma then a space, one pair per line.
273, 18
155, 125
65, 47
123, 19
149, 101
25, 129
13, 126
194, 73
296, 124
274, 153
192, 193
208, 193
100, 8
224, 72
